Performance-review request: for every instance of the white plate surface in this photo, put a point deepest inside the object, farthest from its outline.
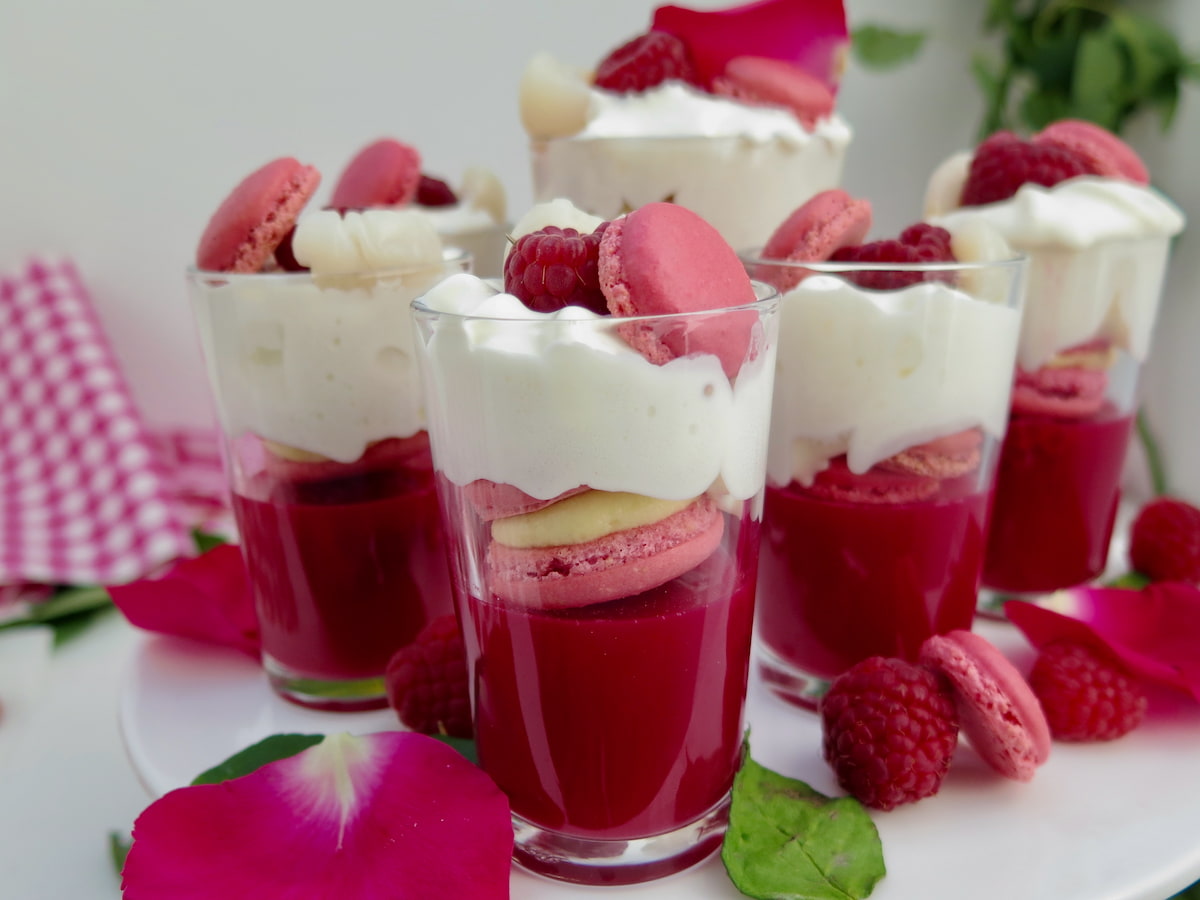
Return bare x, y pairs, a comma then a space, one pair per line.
1118, 821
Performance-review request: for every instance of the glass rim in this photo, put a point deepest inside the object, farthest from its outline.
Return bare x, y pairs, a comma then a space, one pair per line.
754, 257
451, 256
767, 297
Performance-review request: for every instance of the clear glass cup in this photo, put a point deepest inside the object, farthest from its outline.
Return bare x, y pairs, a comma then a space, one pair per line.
891, 398
602, 515
743, 186
1088, 320
318, 398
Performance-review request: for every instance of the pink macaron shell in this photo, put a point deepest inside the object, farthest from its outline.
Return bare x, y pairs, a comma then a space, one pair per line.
951, 456
663, 259
497, 500
384, 173
622, 564
876, 486
998, 711
255, 217
1105, 153
817, 229
1070, 393
773, 82
389, 453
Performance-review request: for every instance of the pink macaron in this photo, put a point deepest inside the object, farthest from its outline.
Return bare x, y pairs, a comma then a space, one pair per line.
496, 500
622, 564
951, 456
1105, 153
997, 709
1069, 393
663, 259
256, 216
816, 230
390, 453
876, 486
384, 173
773, 82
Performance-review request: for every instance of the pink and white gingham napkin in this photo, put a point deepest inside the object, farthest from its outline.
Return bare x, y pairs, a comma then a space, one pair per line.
82, 494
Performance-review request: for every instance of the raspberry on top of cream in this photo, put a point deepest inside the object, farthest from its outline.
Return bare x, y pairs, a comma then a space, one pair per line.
729, 113
1098, 241
323, 362
656, 430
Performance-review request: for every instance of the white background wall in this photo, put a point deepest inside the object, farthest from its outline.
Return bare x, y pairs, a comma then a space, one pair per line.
123, 124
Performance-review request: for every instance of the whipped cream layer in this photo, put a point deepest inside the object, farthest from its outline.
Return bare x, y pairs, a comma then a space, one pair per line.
575, 405
743, 168
1098, 252
871, 373
324, 362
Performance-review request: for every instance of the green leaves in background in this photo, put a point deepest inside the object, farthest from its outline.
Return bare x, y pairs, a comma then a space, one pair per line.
876, 47
786, 840
269, 749
1085, 59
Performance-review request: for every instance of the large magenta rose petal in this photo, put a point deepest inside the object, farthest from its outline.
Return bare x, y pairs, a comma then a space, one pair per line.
1155, 632
207, 598
809, 33
386, 815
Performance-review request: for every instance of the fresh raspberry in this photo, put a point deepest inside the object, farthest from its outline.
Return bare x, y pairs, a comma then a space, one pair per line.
427, 681
647, 60
556, 267
1004, 162
1165, 541
434, 192
889, 731
920, 243
1086, 696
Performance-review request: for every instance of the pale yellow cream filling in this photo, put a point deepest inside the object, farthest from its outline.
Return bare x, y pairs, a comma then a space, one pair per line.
583, 517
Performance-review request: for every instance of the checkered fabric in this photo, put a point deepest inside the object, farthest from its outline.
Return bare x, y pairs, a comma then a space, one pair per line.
82, 497
190, 459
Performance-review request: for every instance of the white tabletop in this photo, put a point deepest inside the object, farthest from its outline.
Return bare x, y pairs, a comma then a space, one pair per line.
66, 781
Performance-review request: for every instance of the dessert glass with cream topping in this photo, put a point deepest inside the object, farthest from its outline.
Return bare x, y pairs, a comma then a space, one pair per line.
317, 394
601, 484
712, 110
1078, 202
891, 397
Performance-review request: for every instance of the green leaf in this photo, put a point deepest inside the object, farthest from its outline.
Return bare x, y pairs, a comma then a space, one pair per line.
1188, 893
1139, 39
876, 47
465, 746
788, 842
269, 749
1040, 108
1133, 580
118, 849
1098, 78
206, 541
69, 611
67, 628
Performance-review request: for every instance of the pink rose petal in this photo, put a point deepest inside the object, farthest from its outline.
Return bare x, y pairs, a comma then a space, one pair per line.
1155, 632
812, 35
207, 598
386, 815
